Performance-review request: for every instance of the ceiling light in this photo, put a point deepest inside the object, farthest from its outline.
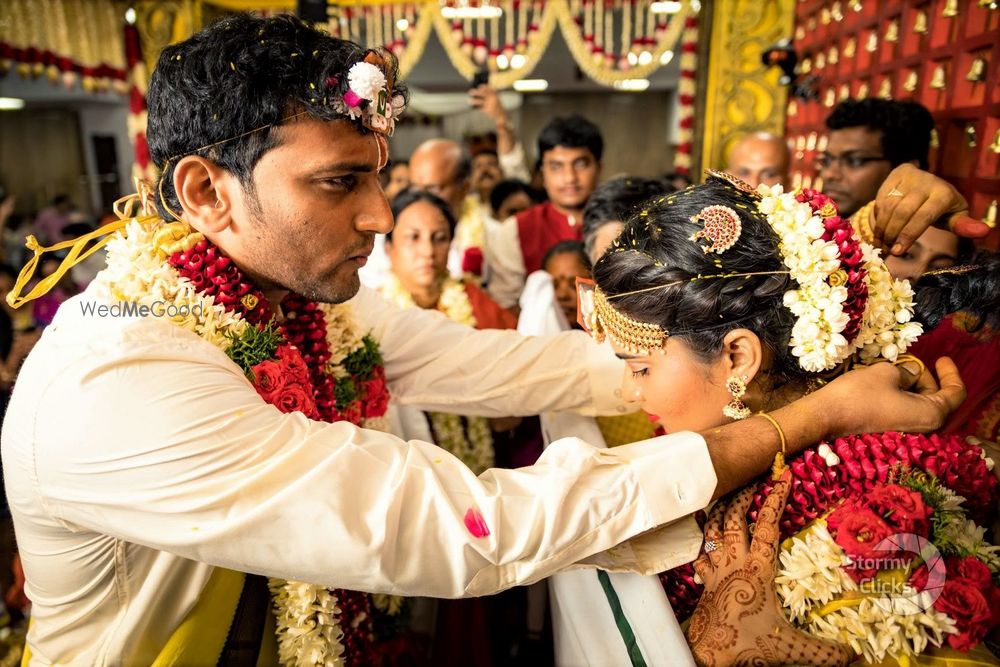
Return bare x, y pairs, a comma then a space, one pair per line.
517, 61
502, 61
666, 57
645, 58
485, 12
633, 59
130, 16
531, 85
667, 7
11, 103
632, 85
402, 25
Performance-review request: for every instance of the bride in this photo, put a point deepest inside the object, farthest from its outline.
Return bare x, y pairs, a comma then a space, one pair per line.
727, 304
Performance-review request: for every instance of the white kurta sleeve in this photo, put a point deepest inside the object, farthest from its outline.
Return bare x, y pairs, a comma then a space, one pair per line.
507, 271
512, 164
439, 365
161, 441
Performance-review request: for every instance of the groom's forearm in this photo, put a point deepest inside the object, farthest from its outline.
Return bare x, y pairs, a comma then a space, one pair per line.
744, 450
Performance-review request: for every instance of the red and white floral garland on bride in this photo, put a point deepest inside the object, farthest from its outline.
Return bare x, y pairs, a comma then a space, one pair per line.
315, 361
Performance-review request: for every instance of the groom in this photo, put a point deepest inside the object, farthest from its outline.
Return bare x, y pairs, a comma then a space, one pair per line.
164, 465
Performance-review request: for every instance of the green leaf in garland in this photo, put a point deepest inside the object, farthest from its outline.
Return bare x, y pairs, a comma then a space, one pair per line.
253, 346
345, 392
361, 362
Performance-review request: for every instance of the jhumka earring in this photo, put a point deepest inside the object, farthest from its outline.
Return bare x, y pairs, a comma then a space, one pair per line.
736, 409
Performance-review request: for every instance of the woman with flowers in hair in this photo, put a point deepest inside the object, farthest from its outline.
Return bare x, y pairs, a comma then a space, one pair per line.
728, 303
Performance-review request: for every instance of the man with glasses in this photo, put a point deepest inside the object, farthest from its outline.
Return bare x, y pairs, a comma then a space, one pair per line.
868, 139
569, 152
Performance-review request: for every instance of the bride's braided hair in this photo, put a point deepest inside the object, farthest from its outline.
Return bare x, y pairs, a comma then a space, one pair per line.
656, 248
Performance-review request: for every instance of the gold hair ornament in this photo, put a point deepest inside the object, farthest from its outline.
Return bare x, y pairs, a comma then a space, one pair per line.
636, 337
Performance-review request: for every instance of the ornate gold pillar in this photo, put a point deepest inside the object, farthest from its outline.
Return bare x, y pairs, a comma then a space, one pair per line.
163, 22
742, 96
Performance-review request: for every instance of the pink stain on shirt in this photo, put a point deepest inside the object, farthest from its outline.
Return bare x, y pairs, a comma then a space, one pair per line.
475, 523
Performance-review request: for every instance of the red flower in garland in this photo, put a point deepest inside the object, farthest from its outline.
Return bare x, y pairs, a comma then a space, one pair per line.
867, 461
970, 610
904, 510
376, 394
472, 261
853, 273
269, 378
859, 532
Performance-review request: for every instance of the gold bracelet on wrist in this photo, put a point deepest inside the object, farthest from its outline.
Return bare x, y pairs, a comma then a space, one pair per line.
779, 466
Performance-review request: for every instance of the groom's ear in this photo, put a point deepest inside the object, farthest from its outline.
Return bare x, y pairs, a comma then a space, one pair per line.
206, 192
743, 353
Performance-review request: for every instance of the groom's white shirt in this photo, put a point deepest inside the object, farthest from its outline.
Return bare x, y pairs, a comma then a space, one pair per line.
137, 457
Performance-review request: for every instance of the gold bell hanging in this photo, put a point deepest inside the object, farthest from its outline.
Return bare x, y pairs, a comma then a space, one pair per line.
822, 143
920, 23
885, 90
970, 135
935, 141
800, 33
836, 12
938, 81
991, 215
862, 91
850, 48
825, 17
995, 146
833, 57
977, 72
820, 61
872, 45
793, 108
856, 5
845, 92
989, 4
911, 82
806, 66
892, 32
950, 9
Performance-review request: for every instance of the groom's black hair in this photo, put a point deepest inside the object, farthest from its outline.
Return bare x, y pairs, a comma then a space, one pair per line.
233, 82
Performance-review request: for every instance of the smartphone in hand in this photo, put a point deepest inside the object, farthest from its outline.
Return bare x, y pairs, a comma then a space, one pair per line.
482, 77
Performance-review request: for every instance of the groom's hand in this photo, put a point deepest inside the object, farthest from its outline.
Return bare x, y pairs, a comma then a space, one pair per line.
910, 200
739, 619
877, 398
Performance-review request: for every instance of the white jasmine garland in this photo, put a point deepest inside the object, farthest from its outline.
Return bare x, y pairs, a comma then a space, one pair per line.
306, 624
817, 338
811, 575
811, 572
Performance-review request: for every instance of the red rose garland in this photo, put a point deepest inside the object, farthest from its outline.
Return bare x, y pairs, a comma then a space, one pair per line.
867, 463
295, 380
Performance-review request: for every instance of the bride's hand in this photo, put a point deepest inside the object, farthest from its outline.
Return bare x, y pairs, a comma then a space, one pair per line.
877, 398
739, 619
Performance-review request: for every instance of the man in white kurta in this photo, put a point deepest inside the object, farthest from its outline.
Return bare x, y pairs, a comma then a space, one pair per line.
137, 456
